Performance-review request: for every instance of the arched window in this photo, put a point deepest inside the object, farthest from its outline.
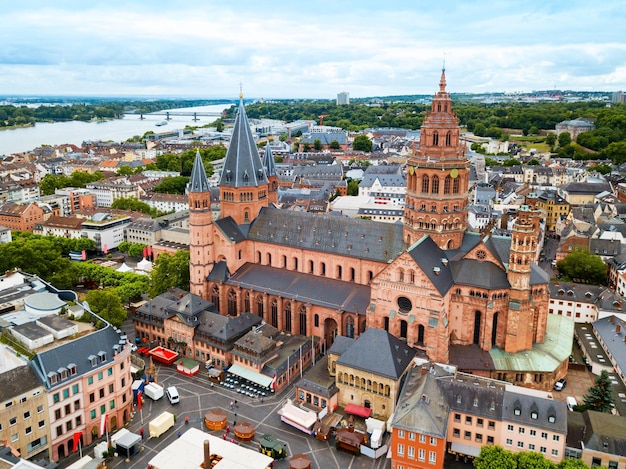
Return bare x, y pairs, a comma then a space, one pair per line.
494, 329
274, 313
323, 267
311, 267
352, 274
232, 302
288, 317
259, 305
339, 272
350, 327
455, 186
246, 302
420, 335
316, 320
302, 320
425, 184
446, 185
215, 297
477, 317
448, 139
435, 139
435, 185
246, 217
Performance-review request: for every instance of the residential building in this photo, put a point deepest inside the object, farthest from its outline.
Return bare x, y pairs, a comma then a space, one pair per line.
108, 191
24, 418
66, 227
576, 301
5, 235
343, 98
21, 217
597, 438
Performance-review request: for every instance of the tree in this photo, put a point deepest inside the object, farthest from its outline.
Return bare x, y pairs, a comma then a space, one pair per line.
172, 185
494, 457
532, 460
572, 464
551, 139
582, 266
317, 144
534, 162
599, 397
306, 146
334, 145
108, 305
132, 203
125, 170
353, 187
564, 139
170, 271
362, 143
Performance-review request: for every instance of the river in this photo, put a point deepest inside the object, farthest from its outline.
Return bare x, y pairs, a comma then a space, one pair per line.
76, 132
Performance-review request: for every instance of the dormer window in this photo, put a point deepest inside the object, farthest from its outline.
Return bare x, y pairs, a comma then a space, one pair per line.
228, 175
62, 373
93, 360
551, 419
53, 377
102, 357
72, 369
517, 411
459, 399
534, 415
245, 176
475, 402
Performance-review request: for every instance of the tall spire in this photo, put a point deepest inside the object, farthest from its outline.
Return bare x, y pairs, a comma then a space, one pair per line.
242, 165
442, 81
268, 161
198, 181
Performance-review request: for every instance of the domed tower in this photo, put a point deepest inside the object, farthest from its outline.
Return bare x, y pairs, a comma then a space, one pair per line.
244, 187
200, 228
438, 178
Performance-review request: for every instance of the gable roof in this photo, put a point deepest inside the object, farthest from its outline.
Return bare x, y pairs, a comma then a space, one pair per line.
433, 261
380, 353
357, 238
242, 164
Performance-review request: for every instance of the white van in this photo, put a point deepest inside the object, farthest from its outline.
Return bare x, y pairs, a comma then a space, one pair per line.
172, 395
571, 402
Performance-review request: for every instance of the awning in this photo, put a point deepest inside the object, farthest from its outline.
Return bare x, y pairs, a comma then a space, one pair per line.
361, 411
250, 375
466, 450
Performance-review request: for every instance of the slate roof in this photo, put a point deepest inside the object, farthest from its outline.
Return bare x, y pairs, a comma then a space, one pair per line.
242, 165
606, 433
323, 291
527, 404
17, 381
225, 328
385, 180
230, 229
463, 391
378, 352
353, 237
422, 406
586, 187
219, 273
198, 181
268, 162
77, 352
474, 273
340, 345
430, 257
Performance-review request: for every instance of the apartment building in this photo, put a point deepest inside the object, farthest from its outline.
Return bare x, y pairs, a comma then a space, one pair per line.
21, 217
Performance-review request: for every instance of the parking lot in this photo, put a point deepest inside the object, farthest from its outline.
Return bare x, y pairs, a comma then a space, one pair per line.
197, 396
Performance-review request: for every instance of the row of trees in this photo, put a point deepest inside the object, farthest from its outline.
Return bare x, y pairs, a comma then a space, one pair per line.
50, 182
495, 457
47, 257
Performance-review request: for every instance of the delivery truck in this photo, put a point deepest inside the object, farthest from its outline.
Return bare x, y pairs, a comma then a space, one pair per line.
161, 424
153, 391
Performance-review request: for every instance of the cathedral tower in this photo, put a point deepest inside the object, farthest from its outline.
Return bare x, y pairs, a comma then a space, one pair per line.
244, 187
200, 228
438, 178
270, 171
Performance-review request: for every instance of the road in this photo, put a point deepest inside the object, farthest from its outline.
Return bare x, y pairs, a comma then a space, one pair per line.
197, 396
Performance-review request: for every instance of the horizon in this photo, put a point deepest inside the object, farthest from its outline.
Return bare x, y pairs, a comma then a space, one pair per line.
284, 50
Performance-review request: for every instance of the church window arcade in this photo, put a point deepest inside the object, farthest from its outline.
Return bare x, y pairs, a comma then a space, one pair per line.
435, 185
425, 184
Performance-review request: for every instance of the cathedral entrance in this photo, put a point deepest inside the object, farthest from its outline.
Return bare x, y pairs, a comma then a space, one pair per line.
330, 331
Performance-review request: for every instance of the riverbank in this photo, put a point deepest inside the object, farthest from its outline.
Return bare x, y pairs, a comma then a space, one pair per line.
21, 126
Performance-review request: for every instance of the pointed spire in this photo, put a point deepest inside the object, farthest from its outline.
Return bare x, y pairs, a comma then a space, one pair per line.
442, 81
198, 181
242, 165
268, 161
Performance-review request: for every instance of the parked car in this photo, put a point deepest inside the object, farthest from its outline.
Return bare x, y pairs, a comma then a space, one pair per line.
172, 395
560, 385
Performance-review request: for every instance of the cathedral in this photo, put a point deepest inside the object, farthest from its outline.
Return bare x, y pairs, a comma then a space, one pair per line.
478, 301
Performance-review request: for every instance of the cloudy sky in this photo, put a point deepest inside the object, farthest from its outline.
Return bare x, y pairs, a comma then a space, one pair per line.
314, 49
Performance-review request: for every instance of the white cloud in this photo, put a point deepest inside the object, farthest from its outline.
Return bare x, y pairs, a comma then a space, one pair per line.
298, 49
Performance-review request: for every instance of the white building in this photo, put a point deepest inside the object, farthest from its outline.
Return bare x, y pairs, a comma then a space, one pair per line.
106, 230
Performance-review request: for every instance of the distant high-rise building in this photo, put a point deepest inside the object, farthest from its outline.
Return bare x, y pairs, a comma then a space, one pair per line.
343, 98
618, 97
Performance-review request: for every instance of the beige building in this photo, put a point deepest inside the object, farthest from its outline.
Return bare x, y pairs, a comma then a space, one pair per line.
24, 413
369, 370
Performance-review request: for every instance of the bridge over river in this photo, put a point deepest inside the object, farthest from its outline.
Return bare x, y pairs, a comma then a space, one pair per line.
194, 114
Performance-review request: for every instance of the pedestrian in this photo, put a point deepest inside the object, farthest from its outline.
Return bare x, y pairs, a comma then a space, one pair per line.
187, 420
141, 432
224, 436
227, 429
178, 434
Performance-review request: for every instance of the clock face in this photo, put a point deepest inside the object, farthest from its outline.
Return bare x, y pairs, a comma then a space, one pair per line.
481, 254
454, 173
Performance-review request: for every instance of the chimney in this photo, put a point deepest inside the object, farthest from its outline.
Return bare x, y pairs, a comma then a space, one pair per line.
207, 455
618, 329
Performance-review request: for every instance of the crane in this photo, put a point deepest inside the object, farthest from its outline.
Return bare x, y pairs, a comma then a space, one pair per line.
322, 118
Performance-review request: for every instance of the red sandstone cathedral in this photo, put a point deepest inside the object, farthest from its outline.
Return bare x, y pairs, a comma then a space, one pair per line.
478, 301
